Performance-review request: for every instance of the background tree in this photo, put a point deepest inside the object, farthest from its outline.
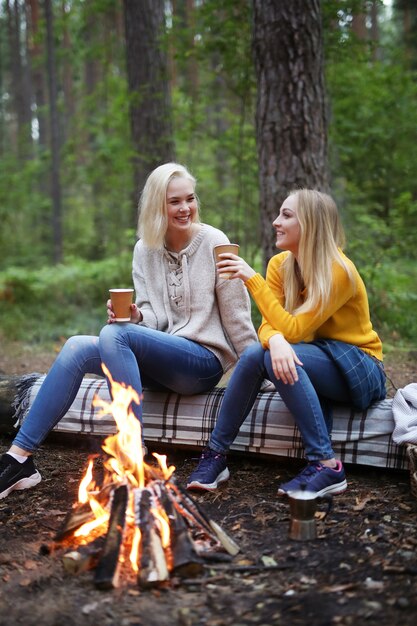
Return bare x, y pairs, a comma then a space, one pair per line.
55, 135
150, 105
371, 91
291, 115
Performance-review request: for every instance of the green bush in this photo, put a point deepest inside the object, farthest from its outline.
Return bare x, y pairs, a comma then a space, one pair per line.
54, 302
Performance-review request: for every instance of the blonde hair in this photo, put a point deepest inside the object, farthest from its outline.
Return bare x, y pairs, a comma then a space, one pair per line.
153, 222
321, 243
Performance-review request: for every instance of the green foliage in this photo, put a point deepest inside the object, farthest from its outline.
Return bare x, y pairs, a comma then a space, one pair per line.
54, 302
393, 300
373, 134
373, 152
214, 116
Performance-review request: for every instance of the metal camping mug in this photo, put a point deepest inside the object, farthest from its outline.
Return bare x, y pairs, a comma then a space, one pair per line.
303, 506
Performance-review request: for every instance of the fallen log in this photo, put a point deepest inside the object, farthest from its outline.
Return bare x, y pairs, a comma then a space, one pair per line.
12, 390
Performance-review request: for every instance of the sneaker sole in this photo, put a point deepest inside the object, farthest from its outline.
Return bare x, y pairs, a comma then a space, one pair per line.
221, 478
25, 483
330, 490
333, 489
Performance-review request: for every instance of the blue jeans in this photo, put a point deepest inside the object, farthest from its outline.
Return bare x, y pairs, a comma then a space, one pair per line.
320, 382
134, 355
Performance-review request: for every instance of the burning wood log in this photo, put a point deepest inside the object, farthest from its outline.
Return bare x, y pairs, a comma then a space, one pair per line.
166, 531
107, 570
82, 513
193, 511
184, 559
85, 557
152, 563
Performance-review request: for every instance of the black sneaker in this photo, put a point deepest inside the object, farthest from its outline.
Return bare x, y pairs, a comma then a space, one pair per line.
211, 471
15, 475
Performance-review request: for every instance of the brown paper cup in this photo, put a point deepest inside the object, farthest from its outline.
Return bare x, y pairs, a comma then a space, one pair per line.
225, 247
121, 300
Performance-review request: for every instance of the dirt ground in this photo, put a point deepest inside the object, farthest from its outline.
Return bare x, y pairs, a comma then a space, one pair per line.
362, 568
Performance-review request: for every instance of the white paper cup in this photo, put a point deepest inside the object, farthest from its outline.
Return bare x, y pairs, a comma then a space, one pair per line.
225, 247
121, 300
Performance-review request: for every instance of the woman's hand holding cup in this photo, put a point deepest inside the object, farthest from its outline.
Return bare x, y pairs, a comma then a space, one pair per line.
229, 265
120, 307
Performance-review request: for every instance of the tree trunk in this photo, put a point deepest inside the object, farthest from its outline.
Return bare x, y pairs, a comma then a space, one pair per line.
67, 69
20, 83
55, 136
292, 115
376, 52
407, 9
36, 54
150, 109
359, 26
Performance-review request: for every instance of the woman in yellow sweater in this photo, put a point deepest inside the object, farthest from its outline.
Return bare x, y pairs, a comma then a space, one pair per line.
317, 344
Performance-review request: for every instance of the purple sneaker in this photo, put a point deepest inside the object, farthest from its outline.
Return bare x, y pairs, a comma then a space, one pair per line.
318, 478
211, 471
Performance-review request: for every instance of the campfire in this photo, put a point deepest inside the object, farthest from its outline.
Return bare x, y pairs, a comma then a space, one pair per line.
133, 516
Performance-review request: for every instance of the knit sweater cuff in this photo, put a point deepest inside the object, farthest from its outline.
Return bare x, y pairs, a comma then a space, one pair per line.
255, 282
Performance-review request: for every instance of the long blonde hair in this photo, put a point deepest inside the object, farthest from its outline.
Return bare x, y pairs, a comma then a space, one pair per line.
153, 222
322, 239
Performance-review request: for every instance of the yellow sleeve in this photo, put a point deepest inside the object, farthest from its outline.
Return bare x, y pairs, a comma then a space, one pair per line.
269, 297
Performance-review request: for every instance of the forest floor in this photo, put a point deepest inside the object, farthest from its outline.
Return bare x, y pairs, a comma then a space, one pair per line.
362, 568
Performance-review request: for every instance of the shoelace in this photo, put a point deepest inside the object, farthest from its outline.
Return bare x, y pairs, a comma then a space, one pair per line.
311, 469
206, 457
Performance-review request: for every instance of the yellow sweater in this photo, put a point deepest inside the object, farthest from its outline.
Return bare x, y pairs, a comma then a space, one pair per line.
346, 317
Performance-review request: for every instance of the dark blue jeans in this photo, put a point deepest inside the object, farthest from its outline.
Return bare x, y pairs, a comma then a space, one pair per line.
134, 355
320, 382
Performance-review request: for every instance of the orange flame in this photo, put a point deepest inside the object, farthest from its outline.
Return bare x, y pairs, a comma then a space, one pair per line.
162, 460
101, 517
83, 488
126, 465
133, 556
163, 523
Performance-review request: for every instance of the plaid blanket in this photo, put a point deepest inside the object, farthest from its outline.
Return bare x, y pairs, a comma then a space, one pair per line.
363, 437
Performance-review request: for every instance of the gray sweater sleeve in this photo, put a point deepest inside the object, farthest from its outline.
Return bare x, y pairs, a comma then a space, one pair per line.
235, 311
142, 300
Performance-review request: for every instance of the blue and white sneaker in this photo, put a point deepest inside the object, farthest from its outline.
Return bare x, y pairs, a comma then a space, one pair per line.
211, 471
318, 478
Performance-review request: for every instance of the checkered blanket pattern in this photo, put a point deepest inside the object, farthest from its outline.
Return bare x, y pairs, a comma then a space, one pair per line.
362, 438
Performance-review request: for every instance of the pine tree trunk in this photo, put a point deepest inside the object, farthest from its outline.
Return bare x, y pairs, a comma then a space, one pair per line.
292, 115
150, 110
55, 136
21, 91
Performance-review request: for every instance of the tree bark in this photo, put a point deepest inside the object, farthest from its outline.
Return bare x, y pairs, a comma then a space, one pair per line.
36, 54
55, 136
292, 113
150, 109
21, 91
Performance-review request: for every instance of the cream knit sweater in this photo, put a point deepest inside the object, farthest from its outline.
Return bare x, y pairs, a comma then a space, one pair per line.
181, 294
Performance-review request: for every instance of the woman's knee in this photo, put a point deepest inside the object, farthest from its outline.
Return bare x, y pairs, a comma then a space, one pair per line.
113, 335
253, 355
78, 348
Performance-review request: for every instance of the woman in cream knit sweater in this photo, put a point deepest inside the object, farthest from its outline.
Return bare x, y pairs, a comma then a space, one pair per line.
187, 328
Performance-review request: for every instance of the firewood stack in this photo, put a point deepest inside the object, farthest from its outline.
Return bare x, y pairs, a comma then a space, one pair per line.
179, 547
137, 512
